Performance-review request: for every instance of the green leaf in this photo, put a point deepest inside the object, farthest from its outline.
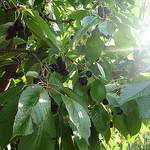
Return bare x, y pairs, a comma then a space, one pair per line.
144, 106
94, 144
107, 136
34, 105
107, 28
7, 117
111, 87
100, 119
122, 5
98, 91
90, 20
94, 46
101, 70
129, 106
41, 137
86, 2
56, 85
36, 28
134, 90
45, 28
113, 99
82, 144
80, 50
33, 74
67, 142
133, 122
118, 121
79, 34
72, 94
9, 94
79, 14
78, 116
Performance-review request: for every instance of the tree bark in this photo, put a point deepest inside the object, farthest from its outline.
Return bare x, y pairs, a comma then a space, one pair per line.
7, 77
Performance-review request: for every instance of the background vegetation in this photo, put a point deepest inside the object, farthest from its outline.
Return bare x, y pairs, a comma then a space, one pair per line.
74, 74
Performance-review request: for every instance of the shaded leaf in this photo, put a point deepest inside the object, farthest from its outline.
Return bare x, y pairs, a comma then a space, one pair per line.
41, 138
133, 122
98, 91
7, 117
94, 46
100, 119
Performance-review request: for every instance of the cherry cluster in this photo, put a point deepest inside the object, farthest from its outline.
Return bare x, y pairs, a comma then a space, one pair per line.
103, 11
17, 75
61, 67
14, 30
83, 80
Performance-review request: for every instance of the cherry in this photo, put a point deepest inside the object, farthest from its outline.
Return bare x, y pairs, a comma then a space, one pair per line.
36, 80
79, 71
111, 124
62, 65
15, 75
83, 80
120, 112
21, 74
89, 74
101, 12
105, 102
19, 25
65, 72
8, 37
59, 59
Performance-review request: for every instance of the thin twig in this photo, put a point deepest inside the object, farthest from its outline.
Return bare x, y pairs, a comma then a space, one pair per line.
40, 64
73, 61
2, 49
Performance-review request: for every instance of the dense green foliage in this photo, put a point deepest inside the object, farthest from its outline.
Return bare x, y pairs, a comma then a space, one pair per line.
73, 74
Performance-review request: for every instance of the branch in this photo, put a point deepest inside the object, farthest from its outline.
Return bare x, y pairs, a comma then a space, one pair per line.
2, 49
73, 61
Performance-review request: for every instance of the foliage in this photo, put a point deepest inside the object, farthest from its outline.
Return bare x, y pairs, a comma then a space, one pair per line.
69, 70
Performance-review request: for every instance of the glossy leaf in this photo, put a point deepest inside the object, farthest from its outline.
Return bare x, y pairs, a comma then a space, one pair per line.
9, 94
107, 28
79, 14
134, 90
78, 116
144, 106
34, 105
94, 46
118, 121
133, 122
45, 29
94, 144
100, 119
98, 91
90, 20
42, 137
